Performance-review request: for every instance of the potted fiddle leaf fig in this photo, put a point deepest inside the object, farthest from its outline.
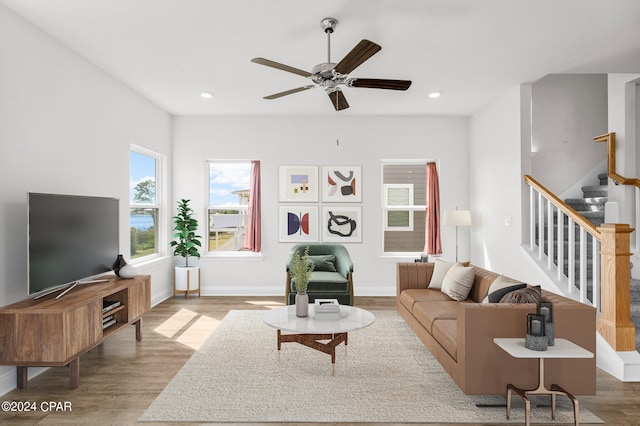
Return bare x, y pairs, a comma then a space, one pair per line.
186, 243
301, 269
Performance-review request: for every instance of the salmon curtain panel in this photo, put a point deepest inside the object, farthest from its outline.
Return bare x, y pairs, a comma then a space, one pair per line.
432, 243
252, 238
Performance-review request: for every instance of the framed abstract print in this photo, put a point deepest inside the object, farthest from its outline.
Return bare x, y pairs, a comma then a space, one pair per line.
341, 184
341, 224
298, 223
298, 184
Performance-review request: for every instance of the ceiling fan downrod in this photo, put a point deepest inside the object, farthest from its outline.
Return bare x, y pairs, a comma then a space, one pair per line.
328, 25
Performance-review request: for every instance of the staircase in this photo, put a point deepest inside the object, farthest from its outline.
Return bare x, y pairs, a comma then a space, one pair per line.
591, 206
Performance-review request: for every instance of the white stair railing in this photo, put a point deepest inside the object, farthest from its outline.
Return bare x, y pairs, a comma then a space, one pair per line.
551, 220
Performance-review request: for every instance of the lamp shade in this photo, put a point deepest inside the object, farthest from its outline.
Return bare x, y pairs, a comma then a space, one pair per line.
456, 218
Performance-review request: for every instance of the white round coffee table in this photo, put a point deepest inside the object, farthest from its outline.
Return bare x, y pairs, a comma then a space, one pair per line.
311, 331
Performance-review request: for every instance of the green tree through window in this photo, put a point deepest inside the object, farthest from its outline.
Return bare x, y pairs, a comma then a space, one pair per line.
144, 205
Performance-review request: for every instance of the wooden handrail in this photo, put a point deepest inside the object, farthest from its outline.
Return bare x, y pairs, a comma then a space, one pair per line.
610, 139
564, 207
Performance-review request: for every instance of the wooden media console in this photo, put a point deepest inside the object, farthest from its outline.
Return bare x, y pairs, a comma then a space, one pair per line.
53, 333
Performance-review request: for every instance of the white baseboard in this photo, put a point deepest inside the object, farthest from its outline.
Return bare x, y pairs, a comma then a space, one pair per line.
9, 379
161, 297
624, 366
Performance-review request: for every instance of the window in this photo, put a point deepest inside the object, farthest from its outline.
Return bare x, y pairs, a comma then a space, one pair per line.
144, 202
233, 215
404, 201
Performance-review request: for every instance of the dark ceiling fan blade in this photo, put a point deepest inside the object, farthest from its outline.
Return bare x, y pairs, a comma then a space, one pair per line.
363, 51
279, 66
289, 92
378, 83
338, 100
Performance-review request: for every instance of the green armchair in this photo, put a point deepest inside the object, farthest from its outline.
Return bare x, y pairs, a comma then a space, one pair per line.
332, 277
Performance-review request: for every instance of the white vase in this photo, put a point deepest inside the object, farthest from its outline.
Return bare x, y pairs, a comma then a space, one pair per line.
302, 304
187, 278
127, 271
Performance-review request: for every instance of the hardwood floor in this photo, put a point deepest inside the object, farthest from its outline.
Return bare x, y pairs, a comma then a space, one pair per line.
120, 378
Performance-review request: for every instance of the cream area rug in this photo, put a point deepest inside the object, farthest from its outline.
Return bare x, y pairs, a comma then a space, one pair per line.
385, 374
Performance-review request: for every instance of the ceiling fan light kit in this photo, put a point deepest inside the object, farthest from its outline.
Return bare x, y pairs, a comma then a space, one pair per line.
329, 75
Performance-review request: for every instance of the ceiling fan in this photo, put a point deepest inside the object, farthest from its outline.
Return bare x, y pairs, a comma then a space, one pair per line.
330, 76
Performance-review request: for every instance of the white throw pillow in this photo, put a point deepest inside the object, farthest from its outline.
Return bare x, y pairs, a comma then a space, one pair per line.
439, 271
458, 282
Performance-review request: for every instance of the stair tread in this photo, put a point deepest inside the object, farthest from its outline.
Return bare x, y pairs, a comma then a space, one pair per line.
587, 200
596, 188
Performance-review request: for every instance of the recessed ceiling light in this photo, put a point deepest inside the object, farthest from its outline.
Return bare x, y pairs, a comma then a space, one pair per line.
434, 95
206, 95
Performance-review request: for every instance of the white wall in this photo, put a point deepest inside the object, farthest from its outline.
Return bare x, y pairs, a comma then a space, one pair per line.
65, 127
304, 140
496, 180
621, 104
568, 111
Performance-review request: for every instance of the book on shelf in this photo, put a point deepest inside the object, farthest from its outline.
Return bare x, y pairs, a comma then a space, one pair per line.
108, 305
108, 323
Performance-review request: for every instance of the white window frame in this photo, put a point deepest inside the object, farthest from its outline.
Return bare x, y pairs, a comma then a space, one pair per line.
161, 232
229, 253
385, 208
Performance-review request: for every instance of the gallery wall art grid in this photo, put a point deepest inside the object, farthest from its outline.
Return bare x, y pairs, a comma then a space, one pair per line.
338, 185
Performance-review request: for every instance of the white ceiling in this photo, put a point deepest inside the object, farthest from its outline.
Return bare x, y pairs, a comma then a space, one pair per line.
472, 50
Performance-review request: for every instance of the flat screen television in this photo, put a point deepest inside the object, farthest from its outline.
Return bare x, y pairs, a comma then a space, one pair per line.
70, 238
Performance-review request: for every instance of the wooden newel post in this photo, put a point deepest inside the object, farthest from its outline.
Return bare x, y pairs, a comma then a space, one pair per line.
614, 323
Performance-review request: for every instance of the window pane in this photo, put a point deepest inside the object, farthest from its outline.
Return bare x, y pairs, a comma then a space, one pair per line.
396, 219
404, 185
399, 196
144, 203
229, 183
229, 196
142, 179
226, 229
408, 174
144, 239
407, 241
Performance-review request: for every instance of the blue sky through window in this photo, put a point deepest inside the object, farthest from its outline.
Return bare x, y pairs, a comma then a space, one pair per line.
226, 177
142, 167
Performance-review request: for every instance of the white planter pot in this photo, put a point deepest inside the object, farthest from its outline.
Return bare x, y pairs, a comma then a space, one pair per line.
187, 278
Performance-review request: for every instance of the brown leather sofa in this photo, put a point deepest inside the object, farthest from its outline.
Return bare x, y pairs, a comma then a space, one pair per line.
460, 334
